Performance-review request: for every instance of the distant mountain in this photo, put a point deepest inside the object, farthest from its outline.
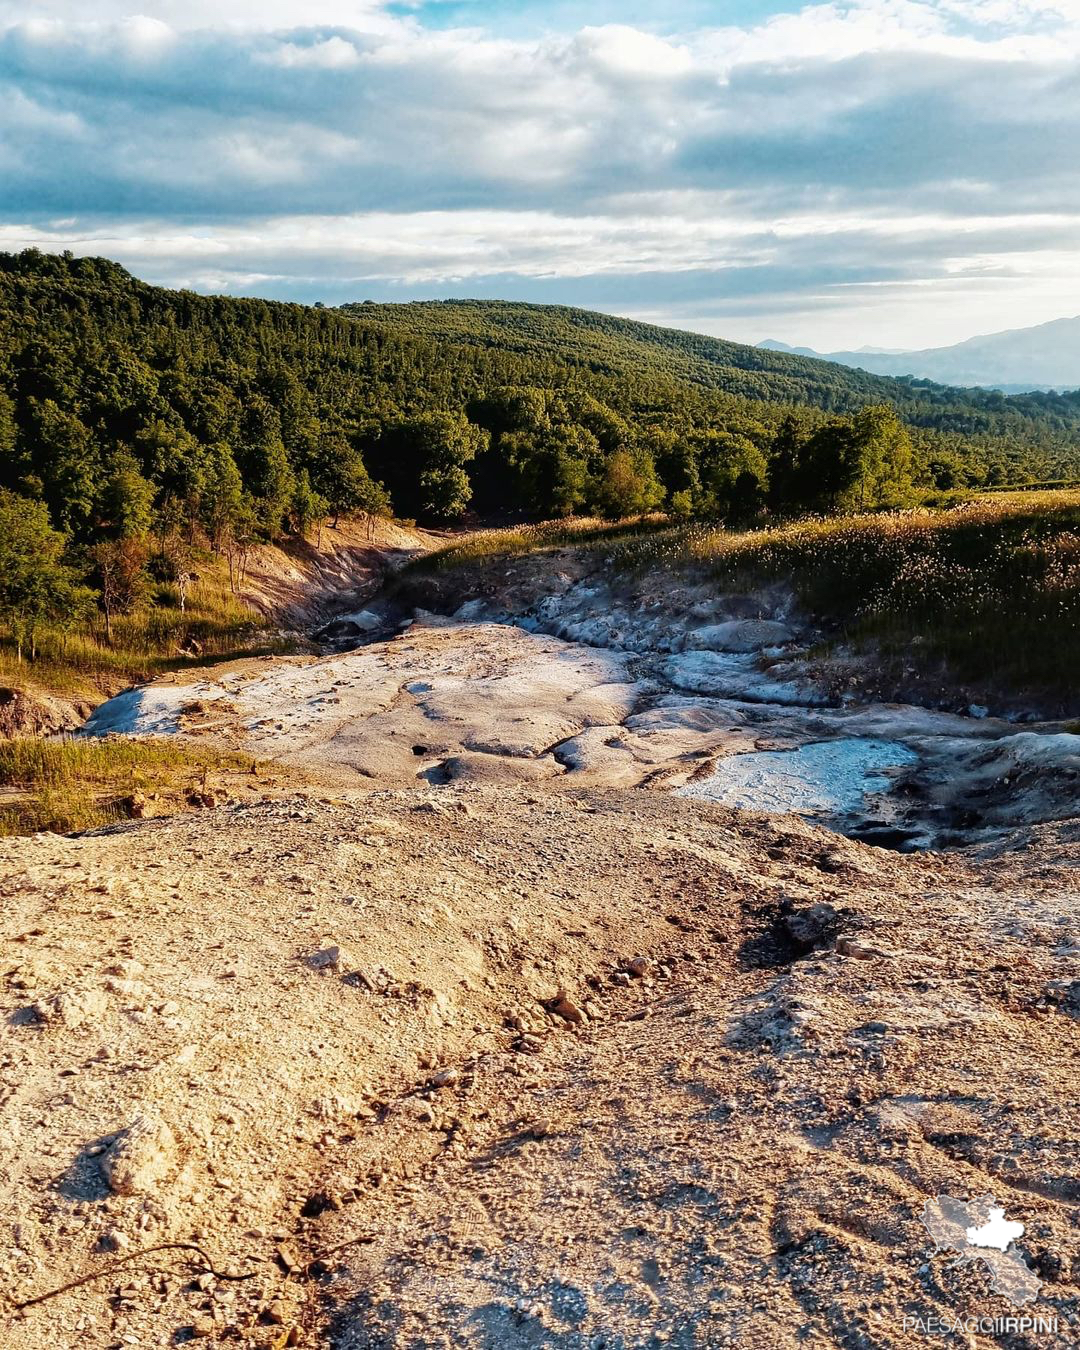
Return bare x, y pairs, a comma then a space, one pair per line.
1018, 360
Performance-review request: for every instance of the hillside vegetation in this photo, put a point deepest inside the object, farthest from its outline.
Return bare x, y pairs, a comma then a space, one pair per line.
984, 595
149, 438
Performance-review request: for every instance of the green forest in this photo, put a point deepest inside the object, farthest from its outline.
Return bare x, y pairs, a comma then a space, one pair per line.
137, 424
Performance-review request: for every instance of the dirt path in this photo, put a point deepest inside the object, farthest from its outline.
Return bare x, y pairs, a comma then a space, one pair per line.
732, 1146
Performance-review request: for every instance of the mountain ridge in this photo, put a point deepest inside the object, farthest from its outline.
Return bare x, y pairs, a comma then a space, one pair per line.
1042, 358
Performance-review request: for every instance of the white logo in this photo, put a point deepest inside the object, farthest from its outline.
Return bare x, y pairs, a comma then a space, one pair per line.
977, 1230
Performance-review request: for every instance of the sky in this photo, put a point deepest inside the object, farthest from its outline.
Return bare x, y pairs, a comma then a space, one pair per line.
895, 173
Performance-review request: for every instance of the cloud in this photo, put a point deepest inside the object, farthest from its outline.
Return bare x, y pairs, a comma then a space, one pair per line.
885, 146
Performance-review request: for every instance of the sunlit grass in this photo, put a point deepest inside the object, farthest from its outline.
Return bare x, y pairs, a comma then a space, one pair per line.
83, 783
158, 637
990, 590
519, 540
987, 591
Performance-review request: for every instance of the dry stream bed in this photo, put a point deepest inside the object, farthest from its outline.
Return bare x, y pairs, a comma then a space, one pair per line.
563, 1015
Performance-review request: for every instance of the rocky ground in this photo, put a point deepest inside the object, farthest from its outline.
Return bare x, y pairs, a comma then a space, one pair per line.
506, 1067
463, 700
470, 1042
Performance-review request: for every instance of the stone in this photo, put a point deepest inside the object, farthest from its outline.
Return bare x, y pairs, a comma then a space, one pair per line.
136, 807
740, 635
639, 966
1065, 995
71, 1008
203, 1329
812, 927
566, 1008
113, 1240
445, 1078
330, 960
288, 1258
140, 1156
857, 948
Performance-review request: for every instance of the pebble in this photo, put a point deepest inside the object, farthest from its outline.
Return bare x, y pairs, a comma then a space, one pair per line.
333, 960
566, 1008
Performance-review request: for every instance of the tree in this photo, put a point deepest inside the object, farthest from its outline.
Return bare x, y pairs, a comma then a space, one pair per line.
338, 474
68, 464
880, 469
552, 467
629, 486
37, 586
308, 507
784, 465
127, 500
121, 570
422, 460
223, 495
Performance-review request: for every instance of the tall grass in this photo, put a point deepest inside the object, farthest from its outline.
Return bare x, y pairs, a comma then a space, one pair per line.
159, 636
985, 591
519, 540
989, 590
80, 784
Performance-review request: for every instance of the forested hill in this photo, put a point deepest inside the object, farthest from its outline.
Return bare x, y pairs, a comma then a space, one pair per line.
128, 410
606, 345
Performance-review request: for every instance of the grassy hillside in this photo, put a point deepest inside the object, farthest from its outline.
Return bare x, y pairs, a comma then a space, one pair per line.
983, 596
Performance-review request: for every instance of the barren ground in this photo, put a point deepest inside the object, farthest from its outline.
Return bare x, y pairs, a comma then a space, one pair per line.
473, 1044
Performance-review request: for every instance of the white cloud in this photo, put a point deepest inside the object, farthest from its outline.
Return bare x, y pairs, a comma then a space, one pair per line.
892, 149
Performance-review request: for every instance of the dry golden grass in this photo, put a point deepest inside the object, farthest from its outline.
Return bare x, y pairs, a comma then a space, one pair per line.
147, 643
81, 783
988, 590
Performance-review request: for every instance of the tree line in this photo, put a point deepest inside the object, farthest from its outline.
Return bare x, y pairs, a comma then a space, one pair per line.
139, 422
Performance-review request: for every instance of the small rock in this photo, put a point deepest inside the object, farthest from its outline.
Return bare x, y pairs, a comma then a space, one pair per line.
445, 1078
639, 966
71, 1008
135, 807
812, 927
566, 1008
113, 1240
288, 1258
330, 960
139, 1157
203, 1329
1065, 995
855, 947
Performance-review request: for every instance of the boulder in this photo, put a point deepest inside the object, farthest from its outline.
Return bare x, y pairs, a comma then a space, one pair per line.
740, 635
